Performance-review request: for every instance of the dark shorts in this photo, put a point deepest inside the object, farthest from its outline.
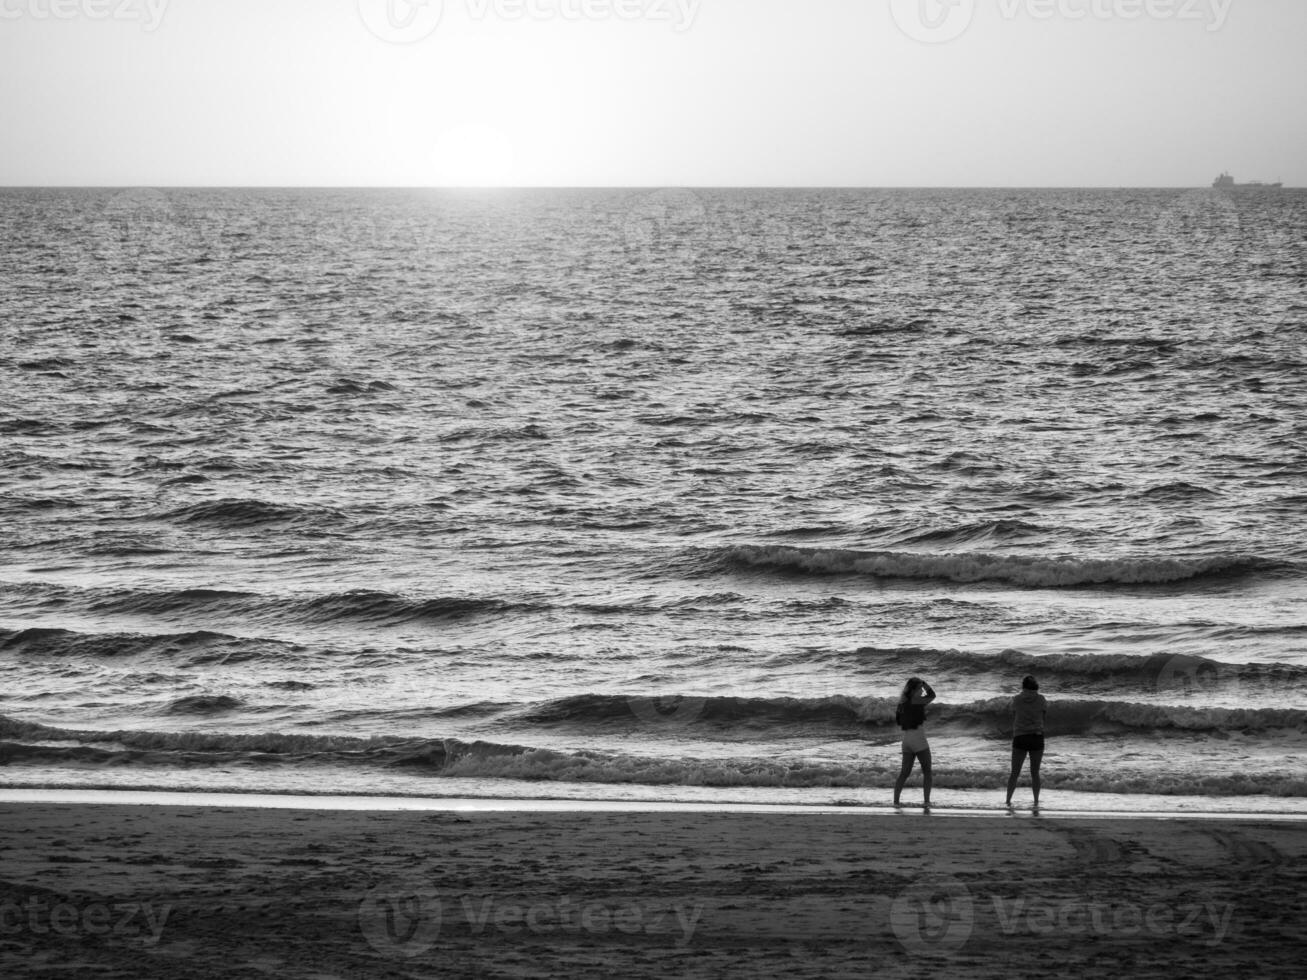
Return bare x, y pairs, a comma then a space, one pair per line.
1029, 743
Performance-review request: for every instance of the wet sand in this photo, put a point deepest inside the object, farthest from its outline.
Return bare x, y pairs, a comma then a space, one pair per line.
112, 890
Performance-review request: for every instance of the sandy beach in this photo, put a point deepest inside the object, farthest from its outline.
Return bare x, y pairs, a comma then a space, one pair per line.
219, 891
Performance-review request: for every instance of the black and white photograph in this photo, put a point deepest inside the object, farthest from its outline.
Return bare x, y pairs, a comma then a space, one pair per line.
653, 488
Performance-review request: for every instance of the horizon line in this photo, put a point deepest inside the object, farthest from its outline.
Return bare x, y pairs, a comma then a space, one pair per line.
633, 187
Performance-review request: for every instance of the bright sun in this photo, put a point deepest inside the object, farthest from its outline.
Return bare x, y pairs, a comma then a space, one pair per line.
472, 155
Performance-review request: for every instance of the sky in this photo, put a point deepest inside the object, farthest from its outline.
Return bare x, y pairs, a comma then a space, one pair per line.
879, 93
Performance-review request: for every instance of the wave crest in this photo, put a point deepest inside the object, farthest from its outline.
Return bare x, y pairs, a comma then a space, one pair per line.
235, 513
1022, 570
35, 744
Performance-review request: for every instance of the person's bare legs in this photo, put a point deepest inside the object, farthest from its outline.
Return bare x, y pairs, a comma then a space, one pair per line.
1035, 758
1019, 760
925, 775
904, 772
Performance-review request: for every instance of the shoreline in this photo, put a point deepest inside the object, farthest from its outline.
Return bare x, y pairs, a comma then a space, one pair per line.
493, 804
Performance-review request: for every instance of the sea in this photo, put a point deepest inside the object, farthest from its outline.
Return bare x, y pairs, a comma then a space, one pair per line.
654, 494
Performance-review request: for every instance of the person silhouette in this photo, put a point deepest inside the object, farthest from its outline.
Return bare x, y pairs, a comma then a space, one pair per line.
1028, 711
910, 715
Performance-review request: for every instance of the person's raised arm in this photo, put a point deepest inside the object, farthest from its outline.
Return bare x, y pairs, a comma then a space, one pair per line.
924, 694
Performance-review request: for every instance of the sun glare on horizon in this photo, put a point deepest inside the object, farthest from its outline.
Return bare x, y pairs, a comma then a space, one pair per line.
472, 155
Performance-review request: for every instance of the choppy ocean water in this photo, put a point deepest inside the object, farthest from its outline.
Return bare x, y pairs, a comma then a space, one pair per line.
653, 495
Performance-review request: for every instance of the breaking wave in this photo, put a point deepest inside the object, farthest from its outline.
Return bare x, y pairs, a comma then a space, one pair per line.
29, 744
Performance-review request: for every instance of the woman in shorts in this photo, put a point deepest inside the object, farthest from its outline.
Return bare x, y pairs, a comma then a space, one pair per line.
1028, 711
911, 717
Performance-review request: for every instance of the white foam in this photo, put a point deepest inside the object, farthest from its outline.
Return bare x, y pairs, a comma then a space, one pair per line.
101, 797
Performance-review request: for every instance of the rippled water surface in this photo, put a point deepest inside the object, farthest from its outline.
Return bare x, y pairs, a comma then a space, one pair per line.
662, 494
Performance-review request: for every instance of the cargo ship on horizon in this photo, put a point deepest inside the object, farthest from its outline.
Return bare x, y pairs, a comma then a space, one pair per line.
1226, 182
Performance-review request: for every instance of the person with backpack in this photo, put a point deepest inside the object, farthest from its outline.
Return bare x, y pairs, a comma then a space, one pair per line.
1028, 711
910, 716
